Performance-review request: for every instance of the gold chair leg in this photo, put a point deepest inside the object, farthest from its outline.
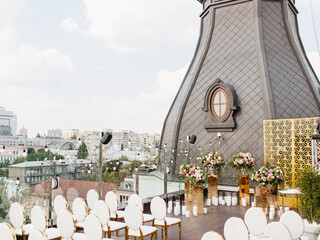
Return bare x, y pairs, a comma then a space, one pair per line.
166, 232
179, 230
117, 233
161, 232
155, 235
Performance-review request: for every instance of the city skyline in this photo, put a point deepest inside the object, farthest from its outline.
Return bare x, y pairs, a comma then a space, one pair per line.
88, 65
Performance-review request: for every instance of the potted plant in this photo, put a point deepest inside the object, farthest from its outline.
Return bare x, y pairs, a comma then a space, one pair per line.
308, 182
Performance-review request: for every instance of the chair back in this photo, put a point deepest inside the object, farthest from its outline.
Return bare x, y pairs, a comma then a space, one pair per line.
136, 200
277, 231
255, 220
294, 223
93, 228
235, 229
133, 217
101, 209
92, 198
79, 209
158, 208
212, 236
7, 232
65, 224
37, 235
112, 201
39, 218
59, 203
16, 215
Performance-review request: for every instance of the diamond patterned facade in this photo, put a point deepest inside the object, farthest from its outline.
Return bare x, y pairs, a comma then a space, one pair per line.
253, 46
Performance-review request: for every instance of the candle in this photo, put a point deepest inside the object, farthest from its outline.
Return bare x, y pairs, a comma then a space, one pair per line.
234, 201
184, 209
244, 202
205, 210
271, 215
208, 202
176, 211
253, 204
170, 204
195, 211
187, 214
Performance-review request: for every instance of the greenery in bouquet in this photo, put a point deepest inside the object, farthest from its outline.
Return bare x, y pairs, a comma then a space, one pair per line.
268, 175
192, 173
242, 162
213, 161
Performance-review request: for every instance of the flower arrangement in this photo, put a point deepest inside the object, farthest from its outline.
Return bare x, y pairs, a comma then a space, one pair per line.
242, 161
213, 160
192, 173
268, 175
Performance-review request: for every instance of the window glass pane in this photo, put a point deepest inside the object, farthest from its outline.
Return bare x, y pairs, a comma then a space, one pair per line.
217, 98
223, 98
216, 110
223, 109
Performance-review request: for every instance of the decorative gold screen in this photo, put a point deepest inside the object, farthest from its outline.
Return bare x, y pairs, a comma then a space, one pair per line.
287, 143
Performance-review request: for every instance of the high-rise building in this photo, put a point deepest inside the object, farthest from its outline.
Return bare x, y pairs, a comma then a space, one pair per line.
71, 134
8, 123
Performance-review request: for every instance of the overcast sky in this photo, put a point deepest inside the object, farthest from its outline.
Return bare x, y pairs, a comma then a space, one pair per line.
92, 64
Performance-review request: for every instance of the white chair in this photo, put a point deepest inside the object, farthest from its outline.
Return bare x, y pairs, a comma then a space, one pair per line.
7, 232
135, 199
93, 228
101, 209
277, 231
37, 235
92, 198
133, 217
39, 222
256, 221
159, 212
235, 229
294, 223
112, 202
59, 203
79, 211
65, 224
212, 236
16, 215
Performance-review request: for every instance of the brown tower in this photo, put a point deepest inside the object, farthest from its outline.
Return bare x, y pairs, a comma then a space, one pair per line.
249, 65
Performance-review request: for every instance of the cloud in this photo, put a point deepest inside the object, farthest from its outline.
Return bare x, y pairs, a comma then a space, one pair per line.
142, 25
315, 61
69, 24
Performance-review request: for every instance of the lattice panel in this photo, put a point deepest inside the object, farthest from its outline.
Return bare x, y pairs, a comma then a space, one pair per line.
287, 143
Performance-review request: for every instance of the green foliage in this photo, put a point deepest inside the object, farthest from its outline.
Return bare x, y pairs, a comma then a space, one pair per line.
122, 147
82, 151
133, 165
5, 163
31, 151
123, 158
115, 177
4, 199
309, 184
19, 160
92, 177
4, 172
70, 147
113, 166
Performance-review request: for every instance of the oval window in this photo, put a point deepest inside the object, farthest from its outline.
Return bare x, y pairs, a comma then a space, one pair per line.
219, 103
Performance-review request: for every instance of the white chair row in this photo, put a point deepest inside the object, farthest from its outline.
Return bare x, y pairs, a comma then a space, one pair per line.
289, 227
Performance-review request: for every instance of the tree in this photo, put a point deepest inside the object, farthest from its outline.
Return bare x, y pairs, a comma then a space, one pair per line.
113, 166
4, 172
19, 160
134, 164
82, 151
31, 151
4, 198
122, 147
